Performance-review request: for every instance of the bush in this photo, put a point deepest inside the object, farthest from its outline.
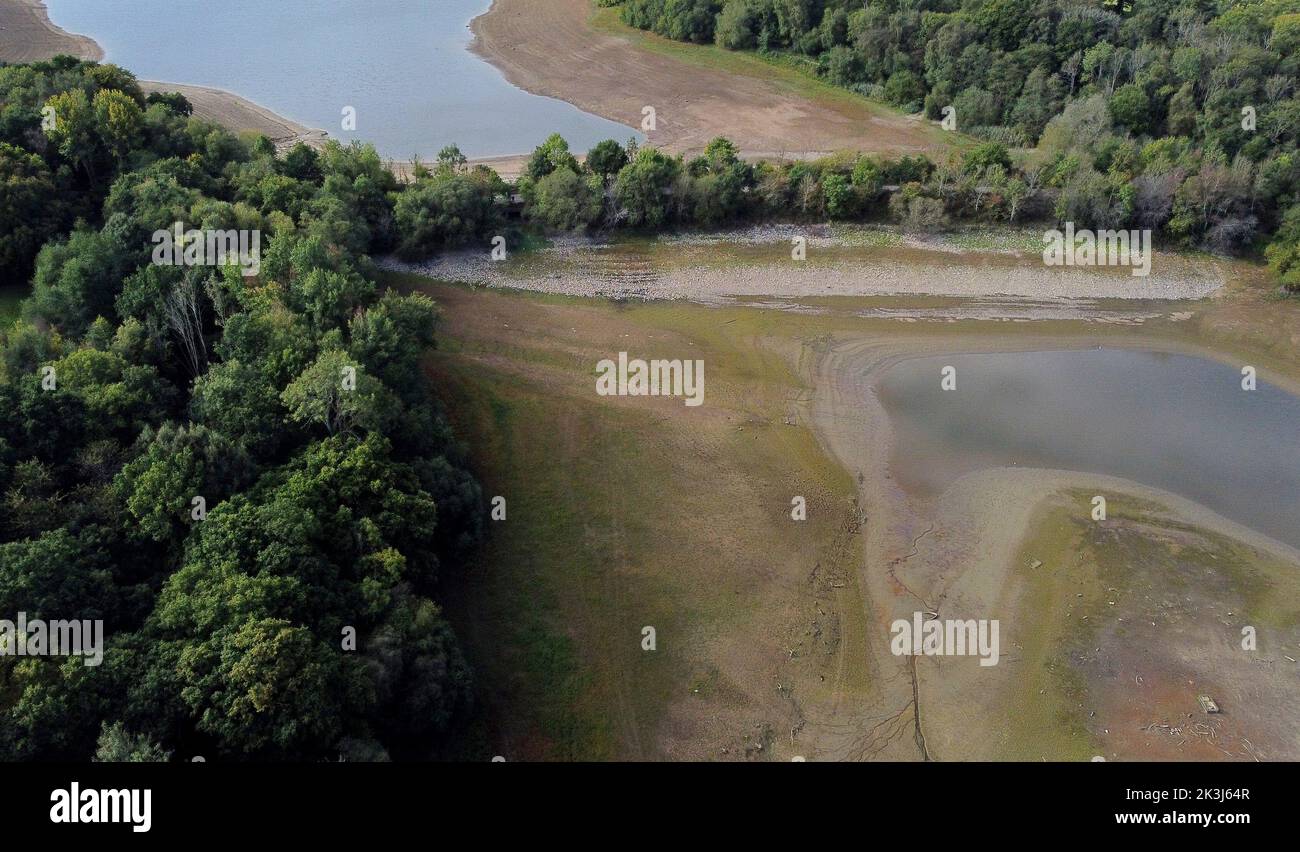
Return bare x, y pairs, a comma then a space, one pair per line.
445, 211
904, 88
916, 212
566, 201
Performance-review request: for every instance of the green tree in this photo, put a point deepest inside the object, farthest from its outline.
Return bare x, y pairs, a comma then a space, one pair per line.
236, 399
565, 201
337, 395
606, 159
118, 745
119, 122
30, 210
736, 25
446, 211
642, 187
841, 200
1130, 108
1283, 252
551, 155
179, 463
266, 689
74, 129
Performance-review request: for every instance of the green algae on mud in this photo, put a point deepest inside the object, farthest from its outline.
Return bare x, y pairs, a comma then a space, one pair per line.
553, 611
1135, 593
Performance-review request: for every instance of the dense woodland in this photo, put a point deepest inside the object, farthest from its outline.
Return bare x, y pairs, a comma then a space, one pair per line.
324, 509
1135, 106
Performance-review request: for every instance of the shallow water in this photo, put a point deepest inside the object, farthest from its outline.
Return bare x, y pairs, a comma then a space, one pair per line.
1174, 422
403, 64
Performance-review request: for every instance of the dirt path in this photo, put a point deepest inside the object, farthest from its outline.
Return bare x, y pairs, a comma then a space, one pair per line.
548, 47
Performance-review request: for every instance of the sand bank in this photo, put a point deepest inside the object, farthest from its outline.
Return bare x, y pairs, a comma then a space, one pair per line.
240, 114
28, 35
549, 47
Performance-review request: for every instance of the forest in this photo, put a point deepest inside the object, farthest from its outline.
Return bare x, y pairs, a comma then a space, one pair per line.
1179, 116
180, 458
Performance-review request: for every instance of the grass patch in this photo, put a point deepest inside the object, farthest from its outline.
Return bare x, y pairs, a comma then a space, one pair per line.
1047, 720
996, 240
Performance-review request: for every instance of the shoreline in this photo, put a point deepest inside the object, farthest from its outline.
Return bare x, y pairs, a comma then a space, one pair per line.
546, 46
955, 552
522, 40
239, 114
27, 35
842, 261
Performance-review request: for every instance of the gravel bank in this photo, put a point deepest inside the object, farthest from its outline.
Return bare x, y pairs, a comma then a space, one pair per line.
757, 262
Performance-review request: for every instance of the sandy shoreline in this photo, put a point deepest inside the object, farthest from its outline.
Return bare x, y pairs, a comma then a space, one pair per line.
548, 47
28, 35
237, 113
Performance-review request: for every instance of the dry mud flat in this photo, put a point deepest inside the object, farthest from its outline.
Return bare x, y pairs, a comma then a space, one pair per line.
548, 47
1109, 629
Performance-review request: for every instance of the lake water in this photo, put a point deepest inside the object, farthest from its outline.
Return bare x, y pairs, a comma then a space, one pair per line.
1173, 422
403, 64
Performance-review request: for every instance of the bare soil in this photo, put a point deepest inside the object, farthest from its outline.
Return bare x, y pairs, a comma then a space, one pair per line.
27, 35
239, 114
549, 47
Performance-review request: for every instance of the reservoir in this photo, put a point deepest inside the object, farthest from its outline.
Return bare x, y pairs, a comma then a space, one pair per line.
1174, 422
404, 65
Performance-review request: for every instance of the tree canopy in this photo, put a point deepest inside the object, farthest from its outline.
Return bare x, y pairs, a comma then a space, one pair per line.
243, 476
